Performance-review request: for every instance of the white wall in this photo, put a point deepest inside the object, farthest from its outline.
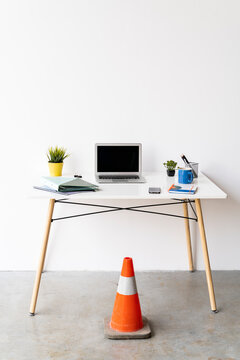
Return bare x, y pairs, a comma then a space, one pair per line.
72, 73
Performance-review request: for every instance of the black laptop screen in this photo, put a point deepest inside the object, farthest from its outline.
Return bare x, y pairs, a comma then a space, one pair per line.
117, 158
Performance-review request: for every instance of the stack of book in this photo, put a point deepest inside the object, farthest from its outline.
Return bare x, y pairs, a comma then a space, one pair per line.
65, 185
182, 189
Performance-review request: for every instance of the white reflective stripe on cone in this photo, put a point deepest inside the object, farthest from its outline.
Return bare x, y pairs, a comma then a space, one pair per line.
127, 285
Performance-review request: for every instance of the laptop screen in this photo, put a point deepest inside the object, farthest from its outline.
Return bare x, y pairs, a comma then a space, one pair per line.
117, 158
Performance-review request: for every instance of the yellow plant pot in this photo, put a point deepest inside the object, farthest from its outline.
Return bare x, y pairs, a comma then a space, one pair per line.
55, 169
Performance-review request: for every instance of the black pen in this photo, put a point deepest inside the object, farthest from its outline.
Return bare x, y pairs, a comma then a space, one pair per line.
185, 160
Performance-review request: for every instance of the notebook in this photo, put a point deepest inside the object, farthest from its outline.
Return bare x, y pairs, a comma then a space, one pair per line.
45, 188
66, 184
182, 189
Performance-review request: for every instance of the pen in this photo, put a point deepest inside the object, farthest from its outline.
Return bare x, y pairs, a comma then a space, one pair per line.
185, 160
187, 163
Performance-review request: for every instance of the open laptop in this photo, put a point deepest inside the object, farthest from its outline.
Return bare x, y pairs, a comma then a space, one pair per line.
118, 163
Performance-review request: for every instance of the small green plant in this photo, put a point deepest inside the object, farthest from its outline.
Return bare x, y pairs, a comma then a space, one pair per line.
170, 164
56, 154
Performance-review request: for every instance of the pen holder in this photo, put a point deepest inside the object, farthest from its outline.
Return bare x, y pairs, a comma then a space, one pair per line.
194, 167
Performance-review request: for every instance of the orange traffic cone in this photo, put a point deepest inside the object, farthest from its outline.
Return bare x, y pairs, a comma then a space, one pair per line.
127, 321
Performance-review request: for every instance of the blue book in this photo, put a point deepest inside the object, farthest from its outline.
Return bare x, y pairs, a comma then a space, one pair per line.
182, 189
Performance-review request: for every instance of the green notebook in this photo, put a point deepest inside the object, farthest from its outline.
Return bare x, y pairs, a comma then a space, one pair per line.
66, 184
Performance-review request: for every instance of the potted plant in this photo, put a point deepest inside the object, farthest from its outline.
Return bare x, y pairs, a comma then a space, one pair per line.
56, 155
170, 165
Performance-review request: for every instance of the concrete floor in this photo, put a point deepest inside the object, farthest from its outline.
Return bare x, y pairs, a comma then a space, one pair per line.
72, 305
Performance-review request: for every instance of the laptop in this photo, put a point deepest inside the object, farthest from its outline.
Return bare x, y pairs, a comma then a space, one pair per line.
118, 163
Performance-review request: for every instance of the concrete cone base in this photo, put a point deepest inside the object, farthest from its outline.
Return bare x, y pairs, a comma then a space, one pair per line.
143, 333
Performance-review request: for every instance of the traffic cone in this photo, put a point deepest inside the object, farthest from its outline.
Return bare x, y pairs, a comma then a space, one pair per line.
127, 321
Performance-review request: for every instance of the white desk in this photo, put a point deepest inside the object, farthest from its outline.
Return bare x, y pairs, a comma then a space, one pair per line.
206, 190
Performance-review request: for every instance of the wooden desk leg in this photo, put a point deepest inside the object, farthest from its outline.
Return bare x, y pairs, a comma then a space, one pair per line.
42, 258
206, 257
188, 237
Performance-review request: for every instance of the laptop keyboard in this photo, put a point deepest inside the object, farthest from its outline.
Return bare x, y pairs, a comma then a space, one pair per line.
122, 177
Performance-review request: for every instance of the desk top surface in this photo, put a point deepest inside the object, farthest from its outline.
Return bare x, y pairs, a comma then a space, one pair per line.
206, 190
